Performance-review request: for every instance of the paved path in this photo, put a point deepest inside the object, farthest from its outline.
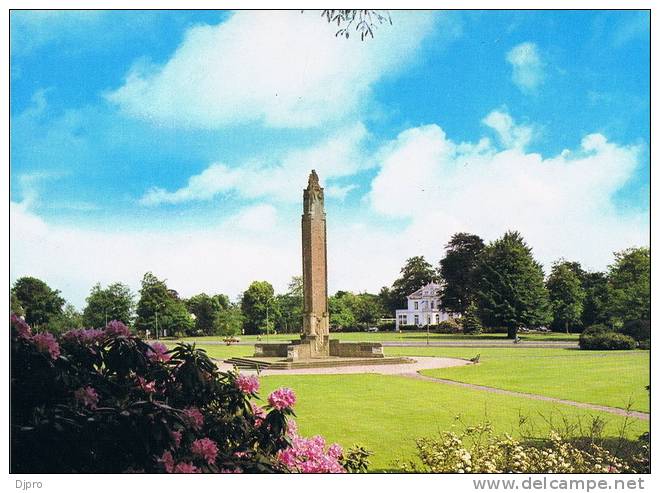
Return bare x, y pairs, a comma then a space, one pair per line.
449, 343
411, 370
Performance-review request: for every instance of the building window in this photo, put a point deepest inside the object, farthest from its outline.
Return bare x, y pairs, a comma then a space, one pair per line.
416, 319
405, 319
432, 304
416, 305
428, 319
437, 318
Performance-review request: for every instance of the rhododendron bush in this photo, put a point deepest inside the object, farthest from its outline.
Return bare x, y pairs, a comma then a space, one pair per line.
105, 401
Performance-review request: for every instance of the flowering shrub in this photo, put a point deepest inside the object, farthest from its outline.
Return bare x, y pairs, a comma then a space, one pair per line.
104, 401
478, 450
309, 455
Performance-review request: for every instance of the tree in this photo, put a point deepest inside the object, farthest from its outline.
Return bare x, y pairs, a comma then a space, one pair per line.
416, 273
511, 289
566, 295
229, 320
341, 313
159, 309
257, 305
38, 300
364, 21
470, 321
291, 307
205, 308
388, 301
629, 286
595, 310
457, 270
115, 302
70, 318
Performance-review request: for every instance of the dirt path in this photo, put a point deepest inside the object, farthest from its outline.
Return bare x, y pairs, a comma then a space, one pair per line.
584, 405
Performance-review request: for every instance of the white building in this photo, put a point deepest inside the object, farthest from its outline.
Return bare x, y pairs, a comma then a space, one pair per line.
423, 308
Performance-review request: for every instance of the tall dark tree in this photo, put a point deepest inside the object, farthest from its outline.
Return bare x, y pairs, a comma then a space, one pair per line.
416, 273
115, 302
596, 303
457, 270
388, 301
629, 286
258, 307
512, 293
566, 295
39, 302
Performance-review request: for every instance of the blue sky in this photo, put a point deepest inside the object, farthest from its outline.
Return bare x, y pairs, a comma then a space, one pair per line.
179, 141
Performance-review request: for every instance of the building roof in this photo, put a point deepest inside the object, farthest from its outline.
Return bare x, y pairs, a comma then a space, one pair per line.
431, 289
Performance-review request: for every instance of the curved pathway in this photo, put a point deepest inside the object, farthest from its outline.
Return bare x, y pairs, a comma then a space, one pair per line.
411, 370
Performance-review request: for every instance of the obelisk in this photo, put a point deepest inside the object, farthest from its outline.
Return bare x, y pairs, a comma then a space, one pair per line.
315, 269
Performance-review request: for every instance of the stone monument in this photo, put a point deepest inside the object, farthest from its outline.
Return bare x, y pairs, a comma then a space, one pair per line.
314, 348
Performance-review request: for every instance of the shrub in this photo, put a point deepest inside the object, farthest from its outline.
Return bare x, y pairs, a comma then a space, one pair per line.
606, 340
450, 326
645, 344
386, 326
640, 330
409, 327
105, 401
596, 329
478, 450
471, 322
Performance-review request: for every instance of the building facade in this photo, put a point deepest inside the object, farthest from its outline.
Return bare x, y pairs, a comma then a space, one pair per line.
423, 308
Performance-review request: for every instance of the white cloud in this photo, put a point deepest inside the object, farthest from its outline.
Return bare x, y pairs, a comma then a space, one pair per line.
335, 157
282, 68
561, 204
527, 66
510, 134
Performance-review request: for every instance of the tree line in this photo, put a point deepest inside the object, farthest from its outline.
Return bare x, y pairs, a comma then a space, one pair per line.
494, 285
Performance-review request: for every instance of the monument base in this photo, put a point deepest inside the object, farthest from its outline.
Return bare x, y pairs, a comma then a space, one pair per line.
314, 347
275, 363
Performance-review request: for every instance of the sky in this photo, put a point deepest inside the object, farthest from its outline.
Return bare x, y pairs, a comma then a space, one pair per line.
179, 142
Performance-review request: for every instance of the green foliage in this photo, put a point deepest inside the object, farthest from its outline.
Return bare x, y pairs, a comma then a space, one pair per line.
356, 459
290, 306
160, 310
595, 307
363, 21
477, 449
417, 272
457, 270
629, 286
15, 304
512, 293
566, 295
640, 330
341, 314
606, 340
110, 403
206, 310
349, 311
39, 302
115, 302
229, 322
70, 318
257, 306
450, 326
471, 321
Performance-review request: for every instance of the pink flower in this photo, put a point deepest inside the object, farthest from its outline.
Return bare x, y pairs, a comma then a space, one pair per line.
176, 436
87, 396
308, 455
117, 328
291, 428
283, 398
194, 417
259, 414
83, 336
148, 387
206, 449
185, 468
168, 461
247, 384
45, 342
22, 328
158, 352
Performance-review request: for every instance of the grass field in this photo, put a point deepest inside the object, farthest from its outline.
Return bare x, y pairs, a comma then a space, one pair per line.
387, 413
404, 336
610, 378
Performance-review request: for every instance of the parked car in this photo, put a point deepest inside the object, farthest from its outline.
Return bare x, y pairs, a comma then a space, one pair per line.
372, 329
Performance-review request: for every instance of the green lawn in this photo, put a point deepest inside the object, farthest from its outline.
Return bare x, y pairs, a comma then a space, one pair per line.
610, 378
223, 351
387, 413
405, 336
